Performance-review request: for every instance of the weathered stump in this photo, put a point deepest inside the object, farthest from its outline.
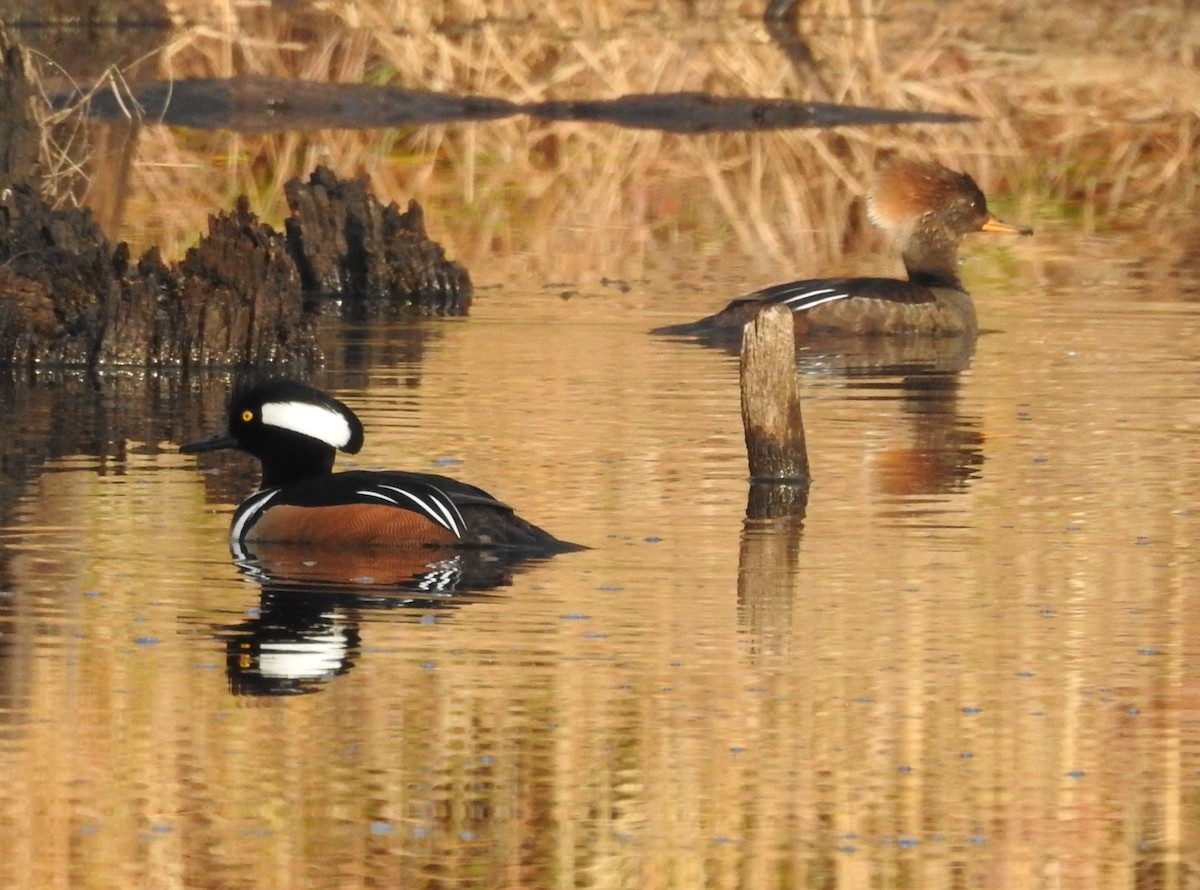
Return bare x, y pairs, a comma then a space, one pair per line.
369, 256
72, 299
771, 415
20, 133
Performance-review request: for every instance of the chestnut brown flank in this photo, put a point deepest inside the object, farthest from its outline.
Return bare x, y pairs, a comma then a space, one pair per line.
357, 525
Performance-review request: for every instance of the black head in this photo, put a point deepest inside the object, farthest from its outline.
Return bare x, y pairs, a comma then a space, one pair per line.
294, 429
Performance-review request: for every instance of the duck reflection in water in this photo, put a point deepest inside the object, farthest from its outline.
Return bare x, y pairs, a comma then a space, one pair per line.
305, 631
298, 641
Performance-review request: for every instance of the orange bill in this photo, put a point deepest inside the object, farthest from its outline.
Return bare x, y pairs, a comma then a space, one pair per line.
999, 227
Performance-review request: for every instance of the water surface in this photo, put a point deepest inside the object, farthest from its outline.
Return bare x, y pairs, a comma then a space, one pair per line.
972, 656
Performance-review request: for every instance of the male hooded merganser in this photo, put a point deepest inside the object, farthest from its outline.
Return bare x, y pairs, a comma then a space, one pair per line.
295, 431
927, 209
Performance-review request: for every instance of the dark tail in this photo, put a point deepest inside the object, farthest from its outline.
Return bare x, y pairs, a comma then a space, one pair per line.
689, 329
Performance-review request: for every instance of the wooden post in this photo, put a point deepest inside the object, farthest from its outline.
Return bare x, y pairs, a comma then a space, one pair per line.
778, 499
771, 412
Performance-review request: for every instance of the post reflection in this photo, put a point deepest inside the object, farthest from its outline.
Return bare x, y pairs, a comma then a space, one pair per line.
942, 454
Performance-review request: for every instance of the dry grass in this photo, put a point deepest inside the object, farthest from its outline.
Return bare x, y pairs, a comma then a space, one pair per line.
1102, 141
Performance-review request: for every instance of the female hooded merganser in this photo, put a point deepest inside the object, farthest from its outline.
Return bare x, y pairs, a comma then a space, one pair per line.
927, 209
295, 431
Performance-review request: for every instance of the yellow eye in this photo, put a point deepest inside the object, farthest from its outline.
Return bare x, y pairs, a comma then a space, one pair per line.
247, 416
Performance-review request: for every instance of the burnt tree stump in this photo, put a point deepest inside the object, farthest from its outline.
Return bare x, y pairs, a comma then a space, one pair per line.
245, 295
369, 256
240, 294
20, 132
68, 298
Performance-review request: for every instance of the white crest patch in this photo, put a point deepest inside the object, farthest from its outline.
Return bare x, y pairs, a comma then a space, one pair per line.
318, 421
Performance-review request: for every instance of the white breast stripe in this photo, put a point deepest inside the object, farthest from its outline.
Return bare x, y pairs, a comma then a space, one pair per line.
319, 421
249, 513
439, 509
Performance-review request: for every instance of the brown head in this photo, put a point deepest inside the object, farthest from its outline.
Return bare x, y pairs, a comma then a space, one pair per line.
928, 208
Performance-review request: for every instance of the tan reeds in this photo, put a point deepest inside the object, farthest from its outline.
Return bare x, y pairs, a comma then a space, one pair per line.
1110, 146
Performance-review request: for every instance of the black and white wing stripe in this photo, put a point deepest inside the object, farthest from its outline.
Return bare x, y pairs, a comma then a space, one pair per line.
420, 497
801, 296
